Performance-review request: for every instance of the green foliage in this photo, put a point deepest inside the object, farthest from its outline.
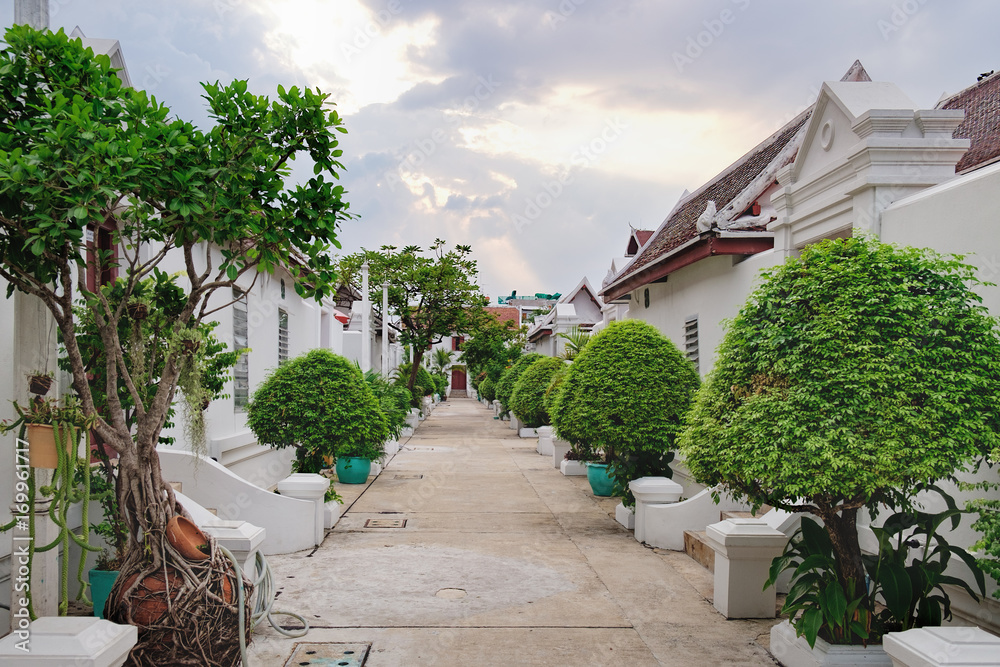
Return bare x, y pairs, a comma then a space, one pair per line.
505, 386
576, 340
423, 386
988, 525
433, 296
394, 400
440, 384
853, 375
625, 395
817, 603
528, 399
144, 329
853, 370
442, 358
487, 390
552, 390
320, 404
492, 347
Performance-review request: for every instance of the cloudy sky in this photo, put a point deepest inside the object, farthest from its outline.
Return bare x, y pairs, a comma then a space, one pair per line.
538, 131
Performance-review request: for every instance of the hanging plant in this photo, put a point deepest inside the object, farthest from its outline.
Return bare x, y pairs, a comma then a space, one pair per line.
39, 382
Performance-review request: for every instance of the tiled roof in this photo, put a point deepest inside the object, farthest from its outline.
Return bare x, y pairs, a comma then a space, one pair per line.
680, 227
504, 314
981, 126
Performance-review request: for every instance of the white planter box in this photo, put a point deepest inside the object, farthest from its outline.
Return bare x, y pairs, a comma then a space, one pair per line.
625, 516
527, 433
792, 651
939, 647
571, 468
559, 450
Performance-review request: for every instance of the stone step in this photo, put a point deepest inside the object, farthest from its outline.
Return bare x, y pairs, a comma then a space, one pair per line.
696, 546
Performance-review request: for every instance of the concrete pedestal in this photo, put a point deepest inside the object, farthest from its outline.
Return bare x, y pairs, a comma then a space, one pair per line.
243, 539
515, 423
572, 468
57, 641
651, 491
744, 549
413, 419
559, 450
938, 647
545, 435
312, 487
625, 516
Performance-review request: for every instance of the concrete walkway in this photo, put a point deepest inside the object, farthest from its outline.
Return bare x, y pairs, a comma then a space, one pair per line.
502, 561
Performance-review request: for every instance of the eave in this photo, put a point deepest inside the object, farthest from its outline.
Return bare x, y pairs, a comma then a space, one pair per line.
706, 245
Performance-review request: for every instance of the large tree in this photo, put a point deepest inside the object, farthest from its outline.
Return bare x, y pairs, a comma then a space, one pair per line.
79, 150
431, 295
492, 346
853, 374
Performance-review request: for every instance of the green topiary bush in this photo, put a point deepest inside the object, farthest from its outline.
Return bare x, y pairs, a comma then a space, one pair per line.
487, 389
505, 386
853, 375
528, 399
393, 399
625, 395
320, 404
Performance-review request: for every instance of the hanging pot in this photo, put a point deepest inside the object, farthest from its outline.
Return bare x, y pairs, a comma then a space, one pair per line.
137, 310
42, 451
40, 384
187, 538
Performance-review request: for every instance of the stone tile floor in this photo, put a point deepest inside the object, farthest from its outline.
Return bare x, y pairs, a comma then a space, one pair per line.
502, 560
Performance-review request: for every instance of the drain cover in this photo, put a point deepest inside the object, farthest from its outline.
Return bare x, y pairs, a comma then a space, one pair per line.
329, 654
385, 523
408, 477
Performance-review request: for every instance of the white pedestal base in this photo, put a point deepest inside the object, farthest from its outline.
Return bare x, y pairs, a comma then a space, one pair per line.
81, 641
572, 468
792, 651
940, 647
559, 450
625, 516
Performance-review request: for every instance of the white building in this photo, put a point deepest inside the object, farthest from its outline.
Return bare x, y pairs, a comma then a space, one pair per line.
579, 309
864, 157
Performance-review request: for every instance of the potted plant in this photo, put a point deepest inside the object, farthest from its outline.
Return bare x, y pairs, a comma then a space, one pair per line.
505, 385
39, 382
49, 427
320, 404
528, 398
624, 396
853, 375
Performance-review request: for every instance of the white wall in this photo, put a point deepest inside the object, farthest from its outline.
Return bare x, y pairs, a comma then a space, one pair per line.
712, 289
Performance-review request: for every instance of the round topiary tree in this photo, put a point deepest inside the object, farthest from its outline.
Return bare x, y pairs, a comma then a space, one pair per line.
852, 375
625, 394
528, 399
487, 389
424, 385
505, 385
320, 404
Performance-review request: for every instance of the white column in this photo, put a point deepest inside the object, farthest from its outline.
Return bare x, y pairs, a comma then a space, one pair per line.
744, 549
366, 321
32, 12
312, 487
385, 330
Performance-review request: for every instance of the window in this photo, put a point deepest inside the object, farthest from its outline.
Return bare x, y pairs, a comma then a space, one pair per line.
691, 341
241, 372
282, 336
456, 343
282, 288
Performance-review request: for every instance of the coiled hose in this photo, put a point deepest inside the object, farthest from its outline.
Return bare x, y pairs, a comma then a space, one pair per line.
262, 605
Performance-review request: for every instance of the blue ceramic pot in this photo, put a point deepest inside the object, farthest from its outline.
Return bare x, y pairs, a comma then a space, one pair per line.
353, 469
600, 481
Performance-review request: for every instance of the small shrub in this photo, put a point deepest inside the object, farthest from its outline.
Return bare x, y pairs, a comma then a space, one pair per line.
487, 390
505, 386
393, 399
320, 404
625, 395
423, 387
528, 399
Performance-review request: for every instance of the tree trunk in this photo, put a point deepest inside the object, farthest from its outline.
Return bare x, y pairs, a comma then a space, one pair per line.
843, 530
186, 611
418, 356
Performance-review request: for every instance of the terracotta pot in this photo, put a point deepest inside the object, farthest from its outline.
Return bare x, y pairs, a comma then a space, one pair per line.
149, 601
42, 446
39, 384
186, 537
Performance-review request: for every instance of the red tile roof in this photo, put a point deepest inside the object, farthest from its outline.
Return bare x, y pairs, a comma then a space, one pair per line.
504, 314
981, 126
680, 227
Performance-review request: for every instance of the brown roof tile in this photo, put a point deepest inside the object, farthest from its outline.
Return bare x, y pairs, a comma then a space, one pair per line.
503, 314
681, 227
981, 126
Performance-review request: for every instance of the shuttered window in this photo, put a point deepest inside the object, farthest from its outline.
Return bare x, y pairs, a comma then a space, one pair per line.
282, 336
691, 341
241, 372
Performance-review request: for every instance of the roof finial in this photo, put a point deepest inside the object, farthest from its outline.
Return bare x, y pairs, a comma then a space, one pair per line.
32, 12
707, 219
856, 73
